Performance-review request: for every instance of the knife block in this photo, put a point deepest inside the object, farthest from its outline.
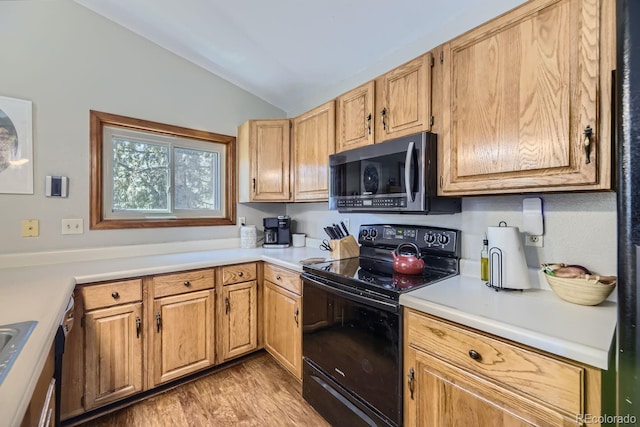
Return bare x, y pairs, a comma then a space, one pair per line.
347, 247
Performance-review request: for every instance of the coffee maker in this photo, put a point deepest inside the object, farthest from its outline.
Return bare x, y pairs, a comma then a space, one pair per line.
277, 232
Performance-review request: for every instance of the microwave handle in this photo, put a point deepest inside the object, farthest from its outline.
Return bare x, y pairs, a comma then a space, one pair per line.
408, 173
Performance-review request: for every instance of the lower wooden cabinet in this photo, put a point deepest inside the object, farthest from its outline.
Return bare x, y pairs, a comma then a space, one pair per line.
282, 326
239, 313
113, 354
458, 376
181, 335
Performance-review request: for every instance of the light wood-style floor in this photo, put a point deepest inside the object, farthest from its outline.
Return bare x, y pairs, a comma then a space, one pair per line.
257, 392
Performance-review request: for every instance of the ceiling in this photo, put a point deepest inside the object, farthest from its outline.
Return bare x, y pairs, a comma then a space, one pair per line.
284, 50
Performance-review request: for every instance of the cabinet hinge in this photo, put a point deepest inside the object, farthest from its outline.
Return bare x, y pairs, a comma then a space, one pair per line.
82, 322
431, 120
442, 57
432, 62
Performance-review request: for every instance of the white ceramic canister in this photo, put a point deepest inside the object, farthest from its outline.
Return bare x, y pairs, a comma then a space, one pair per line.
248, 237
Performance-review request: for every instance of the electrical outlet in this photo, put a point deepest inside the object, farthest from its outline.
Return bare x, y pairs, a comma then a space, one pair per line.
72, 226
537, 241
242, 220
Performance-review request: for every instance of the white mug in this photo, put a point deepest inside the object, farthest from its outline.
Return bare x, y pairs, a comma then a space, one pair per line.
299, 240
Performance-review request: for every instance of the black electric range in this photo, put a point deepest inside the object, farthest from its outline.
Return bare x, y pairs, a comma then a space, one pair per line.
352, 323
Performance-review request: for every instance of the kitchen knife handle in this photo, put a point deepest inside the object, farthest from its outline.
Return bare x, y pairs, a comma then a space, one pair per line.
346, 230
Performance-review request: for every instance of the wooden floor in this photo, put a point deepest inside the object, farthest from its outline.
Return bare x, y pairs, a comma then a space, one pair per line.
257, 392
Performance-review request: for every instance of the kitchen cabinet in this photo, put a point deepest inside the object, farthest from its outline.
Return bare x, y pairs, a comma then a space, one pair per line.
113, 341
238, 310
403, 99
527, 100
283, 317
458, 376
181, 330
314, 135
355, 117
264, 161
40, 412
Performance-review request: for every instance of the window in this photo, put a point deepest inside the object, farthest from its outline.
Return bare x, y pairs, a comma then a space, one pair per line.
146, 174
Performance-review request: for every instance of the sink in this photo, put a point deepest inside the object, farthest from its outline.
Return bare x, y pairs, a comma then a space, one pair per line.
12, 339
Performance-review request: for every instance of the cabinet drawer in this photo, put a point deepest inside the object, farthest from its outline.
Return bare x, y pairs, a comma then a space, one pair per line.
288, 279
238, 273
556, 382
184, 281
109, 294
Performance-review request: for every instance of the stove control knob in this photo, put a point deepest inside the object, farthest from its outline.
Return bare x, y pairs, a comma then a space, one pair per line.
373, 233
430, 238
364, 233
443, 239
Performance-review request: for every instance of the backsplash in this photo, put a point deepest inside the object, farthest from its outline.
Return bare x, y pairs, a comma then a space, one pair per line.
579, 228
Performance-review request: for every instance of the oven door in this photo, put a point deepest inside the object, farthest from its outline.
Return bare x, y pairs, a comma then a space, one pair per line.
355, 342
389, 176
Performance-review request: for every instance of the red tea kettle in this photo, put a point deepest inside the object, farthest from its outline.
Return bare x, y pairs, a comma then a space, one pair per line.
407, 264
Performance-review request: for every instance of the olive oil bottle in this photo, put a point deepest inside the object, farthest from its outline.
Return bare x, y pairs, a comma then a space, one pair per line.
484, 261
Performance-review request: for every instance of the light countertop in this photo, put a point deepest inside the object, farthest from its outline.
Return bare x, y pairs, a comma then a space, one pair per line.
534, 317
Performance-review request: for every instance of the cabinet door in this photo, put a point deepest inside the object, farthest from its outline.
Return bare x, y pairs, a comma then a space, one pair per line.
403, 99
113, 353
182, 335
355, 119
263, 161
282, 333
438, 394
239, 322
314, 135
519, 94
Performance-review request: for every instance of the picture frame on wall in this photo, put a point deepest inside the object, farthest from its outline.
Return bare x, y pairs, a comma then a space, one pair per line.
16, 146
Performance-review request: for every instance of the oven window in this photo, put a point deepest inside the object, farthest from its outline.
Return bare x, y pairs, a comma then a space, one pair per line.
356, 345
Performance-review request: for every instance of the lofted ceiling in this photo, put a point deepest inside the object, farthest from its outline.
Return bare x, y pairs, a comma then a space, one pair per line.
284, 50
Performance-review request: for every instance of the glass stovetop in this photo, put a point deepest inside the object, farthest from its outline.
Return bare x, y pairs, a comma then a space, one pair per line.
376, 275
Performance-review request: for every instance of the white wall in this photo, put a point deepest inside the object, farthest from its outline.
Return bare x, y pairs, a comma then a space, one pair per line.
580, 228
68, 60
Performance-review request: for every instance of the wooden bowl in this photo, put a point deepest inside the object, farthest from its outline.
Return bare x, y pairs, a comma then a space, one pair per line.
589, 289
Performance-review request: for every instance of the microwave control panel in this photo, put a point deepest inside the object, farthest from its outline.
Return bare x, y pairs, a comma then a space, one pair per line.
378, 202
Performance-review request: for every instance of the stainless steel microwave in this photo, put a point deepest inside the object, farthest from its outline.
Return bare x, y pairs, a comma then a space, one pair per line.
396, 176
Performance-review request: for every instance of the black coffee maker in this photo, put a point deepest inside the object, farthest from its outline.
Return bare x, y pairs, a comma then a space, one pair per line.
277, 232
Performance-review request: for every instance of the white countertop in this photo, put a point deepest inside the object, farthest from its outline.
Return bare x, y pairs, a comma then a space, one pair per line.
41, 293
533, 317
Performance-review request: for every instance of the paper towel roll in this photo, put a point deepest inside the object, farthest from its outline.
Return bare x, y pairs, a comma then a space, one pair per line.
507, 263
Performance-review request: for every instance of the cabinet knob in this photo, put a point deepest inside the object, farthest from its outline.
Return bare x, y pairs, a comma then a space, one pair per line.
278, 278
241, 274
187, 283
115, 295
474, 355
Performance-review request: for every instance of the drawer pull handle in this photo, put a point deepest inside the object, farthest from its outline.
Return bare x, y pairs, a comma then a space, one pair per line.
187, 283
474, 355
278, 278
226, 305
241, 274
158, 321
115, 295
295, 315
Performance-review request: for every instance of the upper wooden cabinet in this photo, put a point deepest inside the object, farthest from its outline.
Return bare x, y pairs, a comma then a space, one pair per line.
263, 161
355, 117
523, 98
313, 140
403, 99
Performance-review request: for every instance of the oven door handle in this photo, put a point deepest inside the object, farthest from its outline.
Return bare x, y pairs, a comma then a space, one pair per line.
394, 308
408, 171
